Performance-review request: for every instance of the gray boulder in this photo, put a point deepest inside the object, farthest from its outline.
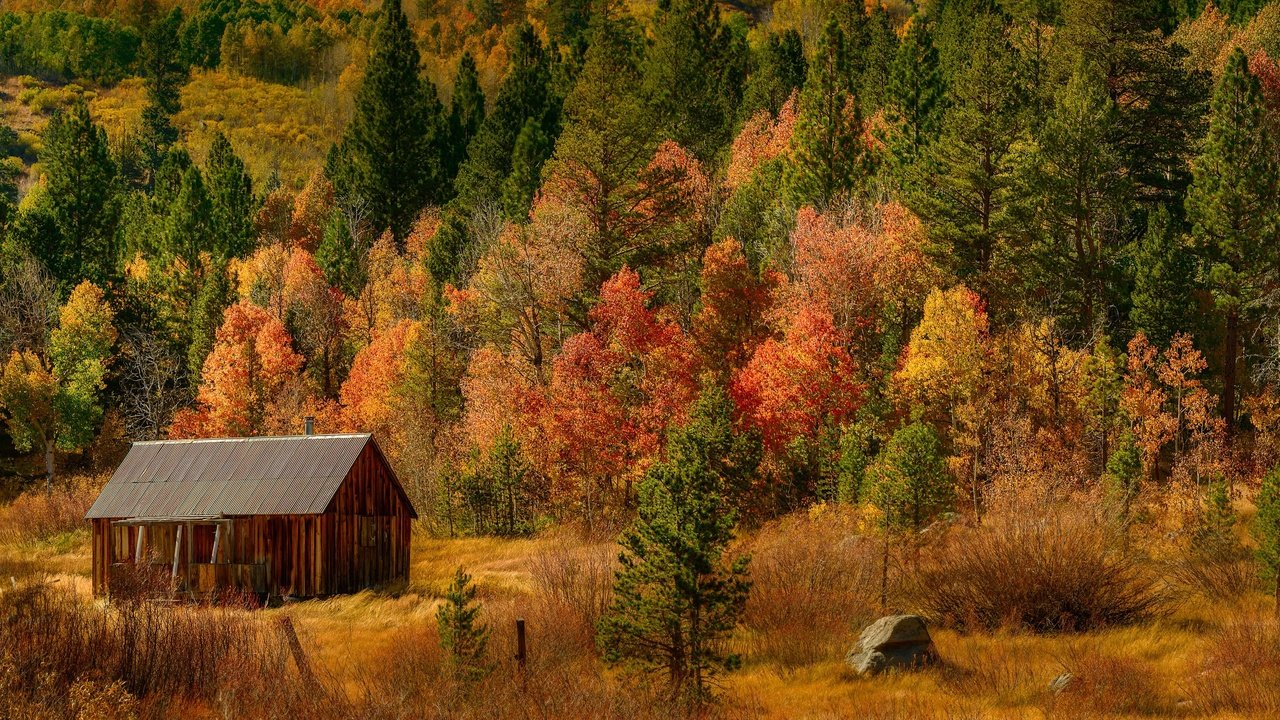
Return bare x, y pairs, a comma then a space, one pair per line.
896, 641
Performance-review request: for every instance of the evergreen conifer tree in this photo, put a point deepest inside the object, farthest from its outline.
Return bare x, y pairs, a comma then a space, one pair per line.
916, 94
965, 202
165, 73
691, 73
392, 153
526, 93
462, 635
830, 157
231, 192
676, 596
1163, 282
531, 151
466, 113
1266, 530
73, 228
1234, 207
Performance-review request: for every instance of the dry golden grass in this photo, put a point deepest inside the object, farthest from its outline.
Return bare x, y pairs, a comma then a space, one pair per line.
1207, 658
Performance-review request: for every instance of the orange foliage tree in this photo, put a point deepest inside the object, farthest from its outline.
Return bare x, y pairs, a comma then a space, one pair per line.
614, 390
246, 375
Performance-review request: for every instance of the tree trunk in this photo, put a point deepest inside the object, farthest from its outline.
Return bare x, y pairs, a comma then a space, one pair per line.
48, 468
1230, 352
884, 576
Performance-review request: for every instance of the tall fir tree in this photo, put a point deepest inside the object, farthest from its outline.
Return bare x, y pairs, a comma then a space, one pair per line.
531, 151
466, 112
230, 190
692, 75
71, 228
392, 155
877, 54
1072, 191
526, 93
829, 152
677, 597
1164, 281
192, 226
778, 68
165, 73
965, 200
1234, 207
1266, 530
917, 95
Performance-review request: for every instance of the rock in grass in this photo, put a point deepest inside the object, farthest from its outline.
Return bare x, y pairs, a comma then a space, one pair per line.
893, 642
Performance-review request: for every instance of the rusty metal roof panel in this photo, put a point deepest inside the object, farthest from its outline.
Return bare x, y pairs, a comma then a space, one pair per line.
295, 475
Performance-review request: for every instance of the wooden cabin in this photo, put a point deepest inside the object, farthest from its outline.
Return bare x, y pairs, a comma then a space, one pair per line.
303, 516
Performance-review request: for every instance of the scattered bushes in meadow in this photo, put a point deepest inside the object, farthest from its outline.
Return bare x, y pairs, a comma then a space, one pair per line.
1041, 573
578, 582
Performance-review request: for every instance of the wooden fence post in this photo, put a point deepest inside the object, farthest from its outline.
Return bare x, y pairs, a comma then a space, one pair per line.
522, 654
299, 657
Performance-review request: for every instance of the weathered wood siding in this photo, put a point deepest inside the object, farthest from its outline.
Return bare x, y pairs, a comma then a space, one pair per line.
360, 541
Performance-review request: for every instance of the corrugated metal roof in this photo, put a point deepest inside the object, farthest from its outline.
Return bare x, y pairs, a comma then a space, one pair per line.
295, 475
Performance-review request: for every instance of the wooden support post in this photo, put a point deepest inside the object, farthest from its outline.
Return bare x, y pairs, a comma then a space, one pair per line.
522, 654
299, 657
217, 535
137, 546
177, 545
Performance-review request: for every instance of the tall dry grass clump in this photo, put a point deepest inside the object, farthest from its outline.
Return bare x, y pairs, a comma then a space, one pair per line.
37, 515
1045, 573
815, 581
1240, 672
160, 656
578, 583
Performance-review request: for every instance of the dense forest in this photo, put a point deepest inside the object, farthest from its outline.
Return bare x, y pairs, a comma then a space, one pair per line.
677, 266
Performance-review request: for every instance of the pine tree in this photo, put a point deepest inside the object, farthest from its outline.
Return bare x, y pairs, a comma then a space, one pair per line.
462, 635
531, 151
778, 68
466, 113
1163, 281
338, 255
231, 192
909, 480
191, 227
392, 155
72, 231
1071, 190
830, 156
526, 93
211, 301
1234, 207
1123, 480
676, 598
916, 94
447, 247
508, 473
692, 75
165, 73
877, 55
965, 202
1266, 530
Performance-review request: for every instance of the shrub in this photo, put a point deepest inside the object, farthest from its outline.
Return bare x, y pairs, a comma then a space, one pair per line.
816, 582
37, 515
1043, 574
578, 582
52, 644
1241, 671
1105, 685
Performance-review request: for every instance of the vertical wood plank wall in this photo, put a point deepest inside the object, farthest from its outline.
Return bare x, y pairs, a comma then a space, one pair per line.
360, 541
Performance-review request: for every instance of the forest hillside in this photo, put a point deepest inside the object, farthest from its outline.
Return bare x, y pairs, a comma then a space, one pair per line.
704, 334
